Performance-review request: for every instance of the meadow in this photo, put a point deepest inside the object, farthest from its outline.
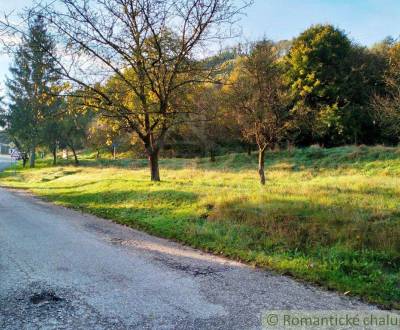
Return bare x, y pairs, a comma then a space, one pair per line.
327, 216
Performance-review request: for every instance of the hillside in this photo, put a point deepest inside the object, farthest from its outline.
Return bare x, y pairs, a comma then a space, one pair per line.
329, 216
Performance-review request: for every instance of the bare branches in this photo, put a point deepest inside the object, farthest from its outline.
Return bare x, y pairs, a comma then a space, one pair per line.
135, 58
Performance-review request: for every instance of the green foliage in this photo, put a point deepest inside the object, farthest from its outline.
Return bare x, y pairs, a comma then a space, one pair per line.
387, 102
332, 81
31, 90
315, 64
73, 125
4, 138
3, 117
329, 216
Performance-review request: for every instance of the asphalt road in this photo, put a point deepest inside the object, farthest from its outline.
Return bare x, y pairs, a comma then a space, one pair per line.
60, 269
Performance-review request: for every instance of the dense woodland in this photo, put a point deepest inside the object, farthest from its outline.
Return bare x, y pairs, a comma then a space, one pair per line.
130, 76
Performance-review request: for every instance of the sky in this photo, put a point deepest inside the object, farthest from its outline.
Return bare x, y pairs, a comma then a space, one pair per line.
365, 21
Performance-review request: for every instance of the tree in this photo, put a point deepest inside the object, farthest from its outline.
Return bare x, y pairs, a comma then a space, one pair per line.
317, 71
73, 125
386, 105
150, 46
256, 93
100, 134
51, 135
3, 115
331, 81
206, 128
210, 127
31, 87
365, 78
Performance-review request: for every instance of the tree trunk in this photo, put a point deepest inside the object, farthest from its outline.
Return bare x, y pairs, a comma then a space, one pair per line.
212, 155
54, 152
24, 160
355, 139
75, 155
249, 149
154, 168
261, 159
32, 159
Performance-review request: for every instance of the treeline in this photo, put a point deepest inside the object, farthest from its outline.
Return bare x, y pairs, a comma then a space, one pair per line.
134, 80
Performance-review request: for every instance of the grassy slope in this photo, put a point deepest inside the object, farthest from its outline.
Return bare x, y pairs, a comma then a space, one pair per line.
327, 216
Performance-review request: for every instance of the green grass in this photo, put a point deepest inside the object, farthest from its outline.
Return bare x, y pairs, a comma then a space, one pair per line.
328, 216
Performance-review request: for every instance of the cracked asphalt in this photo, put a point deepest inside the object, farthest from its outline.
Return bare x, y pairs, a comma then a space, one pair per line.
60, 269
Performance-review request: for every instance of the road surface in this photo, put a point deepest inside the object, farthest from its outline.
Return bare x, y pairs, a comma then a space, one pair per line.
60, 269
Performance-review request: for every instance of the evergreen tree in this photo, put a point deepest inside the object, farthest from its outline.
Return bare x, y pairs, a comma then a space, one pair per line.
31, 89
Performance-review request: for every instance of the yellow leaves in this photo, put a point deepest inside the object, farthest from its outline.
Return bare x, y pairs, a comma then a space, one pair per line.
152, 97
310, 77
236, 73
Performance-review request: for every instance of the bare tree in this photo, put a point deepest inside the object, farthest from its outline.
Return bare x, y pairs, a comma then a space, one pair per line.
257, 95
151, 48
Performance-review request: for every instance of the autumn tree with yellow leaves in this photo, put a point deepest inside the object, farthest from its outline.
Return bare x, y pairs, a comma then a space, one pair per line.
257, 97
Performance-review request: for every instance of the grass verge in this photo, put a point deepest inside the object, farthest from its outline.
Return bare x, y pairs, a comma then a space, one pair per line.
328, 216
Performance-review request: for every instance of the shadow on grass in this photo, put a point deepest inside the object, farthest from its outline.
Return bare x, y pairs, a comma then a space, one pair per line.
114, 198
284, 223
304, 225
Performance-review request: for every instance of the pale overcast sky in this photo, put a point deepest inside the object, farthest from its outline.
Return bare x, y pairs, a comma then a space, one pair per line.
365, 21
